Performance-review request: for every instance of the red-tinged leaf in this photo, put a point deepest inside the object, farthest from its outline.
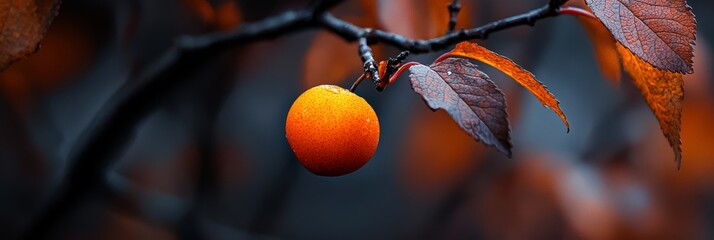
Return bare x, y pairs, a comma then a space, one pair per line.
603, 44
23, 23
469, 96
661, 32
505, 65
663, 93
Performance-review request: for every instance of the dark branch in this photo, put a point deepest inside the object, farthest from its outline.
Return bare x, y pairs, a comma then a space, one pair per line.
393, 64
350, 32
114, 126
454, 9
370, 66
390, 68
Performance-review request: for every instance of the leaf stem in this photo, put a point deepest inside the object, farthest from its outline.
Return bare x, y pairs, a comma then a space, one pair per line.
443, 57
400, 70
577, 12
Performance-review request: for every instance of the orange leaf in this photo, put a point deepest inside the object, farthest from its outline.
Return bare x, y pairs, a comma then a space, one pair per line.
604, 46
659, 32
23, 23
505, 65
663, 93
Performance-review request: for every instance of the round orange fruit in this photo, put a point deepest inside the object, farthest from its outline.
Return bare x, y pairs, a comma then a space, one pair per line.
332, 131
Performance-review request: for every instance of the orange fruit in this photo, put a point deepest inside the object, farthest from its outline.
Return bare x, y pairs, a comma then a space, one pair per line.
332, 131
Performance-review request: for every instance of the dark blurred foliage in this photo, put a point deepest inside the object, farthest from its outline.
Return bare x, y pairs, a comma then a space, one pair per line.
212, 162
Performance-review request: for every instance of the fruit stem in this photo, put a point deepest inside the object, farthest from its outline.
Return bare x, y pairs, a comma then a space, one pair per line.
359, 80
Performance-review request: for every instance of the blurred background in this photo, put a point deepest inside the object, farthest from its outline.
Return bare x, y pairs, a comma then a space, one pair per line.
210, 160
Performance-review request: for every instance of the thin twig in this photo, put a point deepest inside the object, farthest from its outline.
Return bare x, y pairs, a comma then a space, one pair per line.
370, 66
351, 32
454, 9
113, 127
357, 82
394, 63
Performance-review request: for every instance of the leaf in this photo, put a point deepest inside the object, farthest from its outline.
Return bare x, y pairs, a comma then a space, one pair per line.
469, 96
505, 65
660, 32
604, 45
663, 93
23, 23
419, 18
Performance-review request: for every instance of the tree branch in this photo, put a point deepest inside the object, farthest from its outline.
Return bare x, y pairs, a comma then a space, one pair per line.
113, 127
351, 32
370, 66
454, 9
